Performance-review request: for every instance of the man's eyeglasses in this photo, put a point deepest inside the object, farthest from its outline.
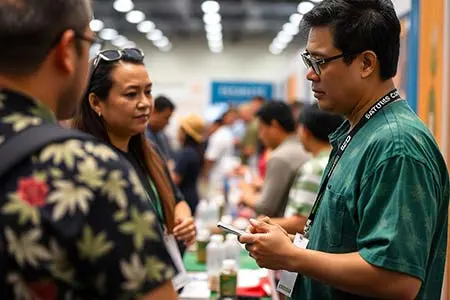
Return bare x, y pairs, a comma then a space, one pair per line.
115, 55
315, 63
96, 44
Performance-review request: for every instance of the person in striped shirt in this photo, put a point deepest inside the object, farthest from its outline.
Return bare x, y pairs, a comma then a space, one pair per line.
314, 126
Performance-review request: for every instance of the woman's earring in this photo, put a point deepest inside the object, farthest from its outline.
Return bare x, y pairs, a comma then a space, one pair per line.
99, 114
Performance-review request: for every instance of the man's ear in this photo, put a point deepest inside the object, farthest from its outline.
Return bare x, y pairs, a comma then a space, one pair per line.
369, 63
66, 53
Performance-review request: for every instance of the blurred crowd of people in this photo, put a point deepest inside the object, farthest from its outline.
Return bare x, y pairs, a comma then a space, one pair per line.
277, 151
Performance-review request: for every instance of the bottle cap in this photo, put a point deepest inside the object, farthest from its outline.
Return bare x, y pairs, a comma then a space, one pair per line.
218, 238
229, 264
231, 237
203, 234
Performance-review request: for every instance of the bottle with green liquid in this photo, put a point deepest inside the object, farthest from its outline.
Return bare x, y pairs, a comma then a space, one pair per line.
228, 279
202, 243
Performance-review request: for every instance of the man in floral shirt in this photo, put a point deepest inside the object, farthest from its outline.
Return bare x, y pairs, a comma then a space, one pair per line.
75, 223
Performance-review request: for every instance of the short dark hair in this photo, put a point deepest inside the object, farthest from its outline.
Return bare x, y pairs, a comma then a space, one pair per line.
278, 111
162, 103
297, 104
229, 111
260, 99
218, 122
30, 28
359, 26
319, 122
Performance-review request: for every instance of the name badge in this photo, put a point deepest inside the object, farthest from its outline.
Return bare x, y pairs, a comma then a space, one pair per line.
181, 277
287, 280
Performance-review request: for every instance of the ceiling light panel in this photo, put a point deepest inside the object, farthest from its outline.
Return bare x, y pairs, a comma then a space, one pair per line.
305, 7
146, 26
210, 7
96, 25
108, 34
123, 6
135, 16
143, 25
291, 28
213, 26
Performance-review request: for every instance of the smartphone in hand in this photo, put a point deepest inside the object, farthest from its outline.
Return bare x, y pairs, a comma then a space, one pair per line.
230, 229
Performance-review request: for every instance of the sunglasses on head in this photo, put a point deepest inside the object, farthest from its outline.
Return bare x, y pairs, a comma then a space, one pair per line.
116, 55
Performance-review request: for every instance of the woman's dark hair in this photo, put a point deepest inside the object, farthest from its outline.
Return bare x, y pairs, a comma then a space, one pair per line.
190, 142
100, 84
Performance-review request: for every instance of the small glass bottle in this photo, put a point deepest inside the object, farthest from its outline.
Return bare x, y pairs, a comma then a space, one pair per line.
228, 279
202, 242
215, 254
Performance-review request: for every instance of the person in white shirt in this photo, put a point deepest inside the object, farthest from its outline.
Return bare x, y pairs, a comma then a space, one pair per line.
219, 154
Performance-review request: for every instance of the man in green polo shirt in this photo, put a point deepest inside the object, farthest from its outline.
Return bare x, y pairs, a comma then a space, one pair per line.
380, 227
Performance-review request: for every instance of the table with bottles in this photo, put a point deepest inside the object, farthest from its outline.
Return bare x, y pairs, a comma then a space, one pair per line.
247, 267
216, 255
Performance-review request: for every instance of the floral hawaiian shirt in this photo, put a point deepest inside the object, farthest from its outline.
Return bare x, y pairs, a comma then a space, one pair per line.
74, 219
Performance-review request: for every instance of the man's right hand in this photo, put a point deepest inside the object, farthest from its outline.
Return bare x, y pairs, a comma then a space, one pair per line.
268, 244
265, 219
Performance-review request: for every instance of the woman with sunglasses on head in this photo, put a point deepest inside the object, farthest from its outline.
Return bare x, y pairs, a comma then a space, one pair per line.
116, 109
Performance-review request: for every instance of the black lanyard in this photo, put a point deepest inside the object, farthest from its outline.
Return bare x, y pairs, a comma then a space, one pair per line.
392, 96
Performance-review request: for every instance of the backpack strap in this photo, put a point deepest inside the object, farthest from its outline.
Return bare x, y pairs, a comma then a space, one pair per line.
24, 144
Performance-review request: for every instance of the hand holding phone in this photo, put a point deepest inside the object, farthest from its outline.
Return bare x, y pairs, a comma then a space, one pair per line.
230, 229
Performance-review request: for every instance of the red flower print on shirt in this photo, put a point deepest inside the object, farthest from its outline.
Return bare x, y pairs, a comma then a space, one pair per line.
43, 290
32, 191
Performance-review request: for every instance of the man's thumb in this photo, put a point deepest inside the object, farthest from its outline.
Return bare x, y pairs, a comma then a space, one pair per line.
261, 227
246, 238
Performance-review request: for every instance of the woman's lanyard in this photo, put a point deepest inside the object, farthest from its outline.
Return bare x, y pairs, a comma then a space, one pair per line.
392, 96
156, 204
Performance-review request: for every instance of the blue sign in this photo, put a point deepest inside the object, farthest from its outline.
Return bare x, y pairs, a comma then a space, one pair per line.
238, 92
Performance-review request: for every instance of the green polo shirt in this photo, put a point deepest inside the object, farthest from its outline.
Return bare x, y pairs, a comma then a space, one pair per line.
388, 200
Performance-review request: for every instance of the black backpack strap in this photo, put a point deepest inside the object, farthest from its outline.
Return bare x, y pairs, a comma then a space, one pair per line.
31, 140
